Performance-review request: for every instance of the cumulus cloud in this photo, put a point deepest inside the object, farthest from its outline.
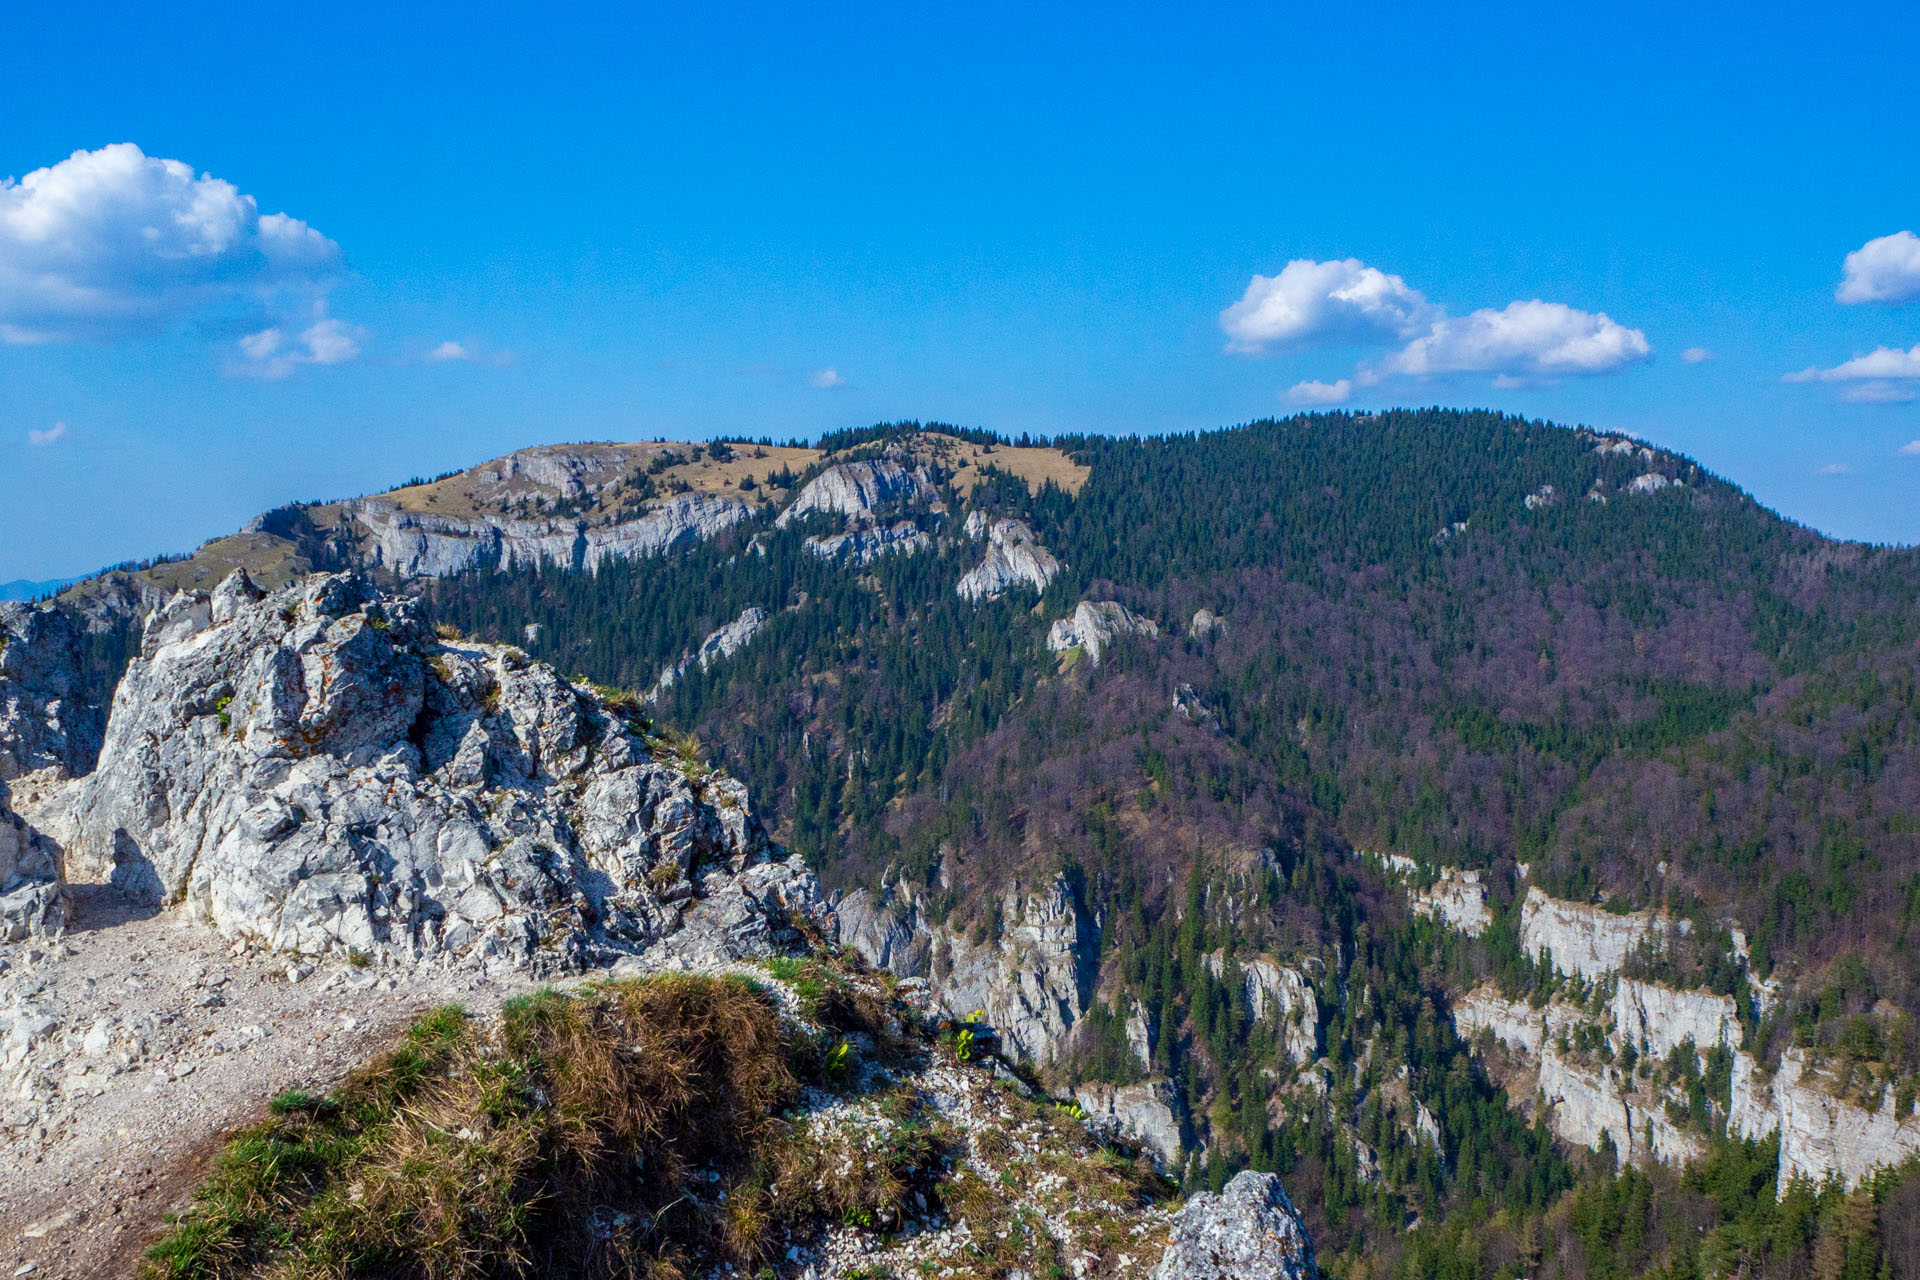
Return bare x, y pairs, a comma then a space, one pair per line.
1346, 301
1911, 449
39, 436
116, 243
1885, 375
273, 353
1320, 302
1696, 355
449, 352
1521, 341
826, 379
1886, 269
1320, 392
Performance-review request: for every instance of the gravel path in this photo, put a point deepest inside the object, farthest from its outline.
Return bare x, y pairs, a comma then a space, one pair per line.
130, 1047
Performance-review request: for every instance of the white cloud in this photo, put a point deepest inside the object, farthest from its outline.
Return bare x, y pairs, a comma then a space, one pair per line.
38, 436
1319, 302
448, 352
1880, 364
1886, 269
1836, 469
1911, 449
1696, 355
1878, 393
826, 379
1523, 340
115, 243
270, 353
1320, 392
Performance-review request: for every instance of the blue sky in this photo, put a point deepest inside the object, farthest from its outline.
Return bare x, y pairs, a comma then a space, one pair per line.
641, 222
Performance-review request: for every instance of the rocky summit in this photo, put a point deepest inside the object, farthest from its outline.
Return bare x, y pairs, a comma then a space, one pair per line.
316, 771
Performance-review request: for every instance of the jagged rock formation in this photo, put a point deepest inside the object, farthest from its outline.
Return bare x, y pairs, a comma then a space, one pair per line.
45, 722
1014, 556
1096, 624
855, 489
48, 732
315, 772
1590, 941
1032, 979
1820, 1135
719, 644
1146, 1114
864, 545
424, 544
1458, 899
1249, 1231
1651, 482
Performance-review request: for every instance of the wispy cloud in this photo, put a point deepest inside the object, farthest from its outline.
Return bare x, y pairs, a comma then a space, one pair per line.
1696, 355
1911, 449
1836, 469
115, 243
46, 435
1885, 269
1885, 375
448, 352
273, 353
827, 379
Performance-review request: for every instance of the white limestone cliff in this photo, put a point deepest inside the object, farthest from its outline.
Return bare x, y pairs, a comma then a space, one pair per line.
1590, 941
719, 644
1014, 558
1094, 625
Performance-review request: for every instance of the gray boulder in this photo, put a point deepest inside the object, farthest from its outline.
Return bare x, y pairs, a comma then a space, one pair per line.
317, 772
1248, 1232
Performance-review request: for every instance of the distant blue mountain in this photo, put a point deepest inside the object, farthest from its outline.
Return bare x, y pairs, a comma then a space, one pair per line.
21, 589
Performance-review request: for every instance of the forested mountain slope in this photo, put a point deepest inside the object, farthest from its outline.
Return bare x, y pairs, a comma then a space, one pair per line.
1208, 867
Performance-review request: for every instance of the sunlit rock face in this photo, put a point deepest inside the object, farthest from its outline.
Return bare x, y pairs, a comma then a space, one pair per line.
316, 771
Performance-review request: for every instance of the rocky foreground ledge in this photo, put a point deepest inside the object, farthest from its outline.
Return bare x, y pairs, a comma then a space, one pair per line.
311, 821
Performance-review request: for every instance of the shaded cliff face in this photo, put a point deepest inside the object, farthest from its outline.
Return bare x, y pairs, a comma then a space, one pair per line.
315, 771
46, 719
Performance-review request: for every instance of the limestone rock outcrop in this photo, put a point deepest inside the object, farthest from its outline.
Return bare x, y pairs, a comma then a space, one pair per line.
1282, 994
1014, 557
1094, 625
426, 544
315, 772
1657, 1019
1821, 1135
721, 643
1032, 977
33, 900
1590, 941
1250, 1231
45, 721
855, 489
1146, 1114
1458, 899
864, 545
